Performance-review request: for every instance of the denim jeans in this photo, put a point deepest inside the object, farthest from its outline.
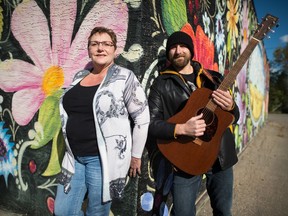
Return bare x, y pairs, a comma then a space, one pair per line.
87, 177
219, 185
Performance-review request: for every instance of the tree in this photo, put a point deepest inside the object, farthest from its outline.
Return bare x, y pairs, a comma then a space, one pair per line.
278, 100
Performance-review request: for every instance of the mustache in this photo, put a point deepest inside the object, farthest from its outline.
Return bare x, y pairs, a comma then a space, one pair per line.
178, 55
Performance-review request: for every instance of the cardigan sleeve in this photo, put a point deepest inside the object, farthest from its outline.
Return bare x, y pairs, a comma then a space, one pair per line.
137, 106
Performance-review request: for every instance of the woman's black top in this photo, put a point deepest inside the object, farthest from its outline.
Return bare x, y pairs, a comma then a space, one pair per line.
80, 129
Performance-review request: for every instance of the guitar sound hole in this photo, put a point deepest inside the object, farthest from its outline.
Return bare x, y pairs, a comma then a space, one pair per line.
208, 116
211, 121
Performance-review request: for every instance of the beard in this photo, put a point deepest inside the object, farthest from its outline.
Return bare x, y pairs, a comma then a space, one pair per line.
179, 62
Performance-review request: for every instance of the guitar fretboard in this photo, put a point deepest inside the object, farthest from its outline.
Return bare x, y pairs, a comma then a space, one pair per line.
231, 76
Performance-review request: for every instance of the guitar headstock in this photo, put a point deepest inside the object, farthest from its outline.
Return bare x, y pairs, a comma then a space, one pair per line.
269, 21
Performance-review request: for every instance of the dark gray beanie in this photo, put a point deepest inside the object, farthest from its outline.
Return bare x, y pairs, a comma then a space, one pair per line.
180, 37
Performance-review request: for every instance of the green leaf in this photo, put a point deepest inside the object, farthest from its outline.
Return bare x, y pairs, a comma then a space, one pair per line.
174, 15
57, 153
49, 119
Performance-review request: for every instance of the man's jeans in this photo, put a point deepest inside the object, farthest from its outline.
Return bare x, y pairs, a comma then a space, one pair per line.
87, 177
219, 186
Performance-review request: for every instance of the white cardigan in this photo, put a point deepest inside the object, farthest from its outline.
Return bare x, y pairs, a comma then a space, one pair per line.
119, 96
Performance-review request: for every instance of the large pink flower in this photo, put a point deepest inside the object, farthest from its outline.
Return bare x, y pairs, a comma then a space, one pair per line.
56, 57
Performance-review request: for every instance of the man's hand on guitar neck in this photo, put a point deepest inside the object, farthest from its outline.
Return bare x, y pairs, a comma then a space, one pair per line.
194, 127
223, 99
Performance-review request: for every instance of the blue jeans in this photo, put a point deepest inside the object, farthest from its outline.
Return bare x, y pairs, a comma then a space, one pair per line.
87, 177
219, 185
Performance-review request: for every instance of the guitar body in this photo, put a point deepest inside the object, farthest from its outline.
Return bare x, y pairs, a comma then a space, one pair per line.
196, 156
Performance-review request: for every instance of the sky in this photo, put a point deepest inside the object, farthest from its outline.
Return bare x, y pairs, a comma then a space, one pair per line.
278, 8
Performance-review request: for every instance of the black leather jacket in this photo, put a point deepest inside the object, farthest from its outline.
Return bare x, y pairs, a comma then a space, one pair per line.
169, 94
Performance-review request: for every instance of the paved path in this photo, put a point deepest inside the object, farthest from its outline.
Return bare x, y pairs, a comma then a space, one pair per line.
261, 175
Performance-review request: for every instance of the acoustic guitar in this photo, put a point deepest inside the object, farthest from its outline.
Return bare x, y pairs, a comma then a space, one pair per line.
196, 155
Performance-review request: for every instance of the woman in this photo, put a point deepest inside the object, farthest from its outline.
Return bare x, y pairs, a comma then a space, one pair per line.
101, 143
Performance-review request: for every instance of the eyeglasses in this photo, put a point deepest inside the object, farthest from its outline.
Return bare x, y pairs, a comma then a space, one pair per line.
104, 44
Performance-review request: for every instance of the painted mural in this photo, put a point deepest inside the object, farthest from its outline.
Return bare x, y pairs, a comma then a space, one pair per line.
43, 43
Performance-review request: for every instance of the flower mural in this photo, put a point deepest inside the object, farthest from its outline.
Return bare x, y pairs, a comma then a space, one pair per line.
56, 59
206, 23
257, 86
203, 47
46, 44
232, 17
220, 32
241, 81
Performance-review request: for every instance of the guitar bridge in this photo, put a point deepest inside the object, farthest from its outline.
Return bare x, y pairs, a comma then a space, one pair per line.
198, 141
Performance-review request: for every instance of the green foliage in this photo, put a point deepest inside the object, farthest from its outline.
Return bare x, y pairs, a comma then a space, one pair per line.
49, 119
278, 100
174, 15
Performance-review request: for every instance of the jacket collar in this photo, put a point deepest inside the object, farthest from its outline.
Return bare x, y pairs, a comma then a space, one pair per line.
198, 70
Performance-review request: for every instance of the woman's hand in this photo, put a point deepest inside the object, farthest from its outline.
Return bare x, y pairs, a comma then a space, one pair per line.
135, 167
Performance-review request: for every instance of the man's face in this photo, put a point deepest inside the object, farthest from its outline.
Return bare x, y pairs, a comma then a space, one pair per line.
179, 56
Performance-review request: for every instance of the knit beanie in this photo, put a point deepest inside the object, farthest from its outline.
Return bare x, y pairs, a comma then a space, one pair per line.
180, 37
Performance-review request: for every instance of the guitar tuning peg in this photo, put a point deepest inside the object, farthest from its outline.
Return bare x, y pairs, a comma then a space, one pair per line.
271, 30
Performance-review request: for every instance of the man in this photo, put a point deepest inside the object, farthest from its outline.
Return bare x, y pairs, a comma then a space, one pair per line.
168, 95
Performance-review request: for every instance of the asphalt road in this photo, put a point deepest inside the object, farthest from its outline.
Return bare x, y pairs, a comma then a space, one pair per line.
260, 176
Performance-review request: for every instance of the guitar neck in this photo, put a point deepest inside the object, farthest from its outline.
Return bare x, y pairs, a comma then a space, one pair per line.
231, 76
259, 34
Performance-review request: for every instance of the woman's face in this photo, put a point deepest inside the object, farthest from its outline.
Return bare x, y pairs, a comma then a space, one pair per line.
101, 49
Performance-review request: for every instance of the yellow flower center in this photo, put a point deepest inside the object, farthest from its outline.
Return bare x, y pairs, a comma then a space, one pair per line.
53, 79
